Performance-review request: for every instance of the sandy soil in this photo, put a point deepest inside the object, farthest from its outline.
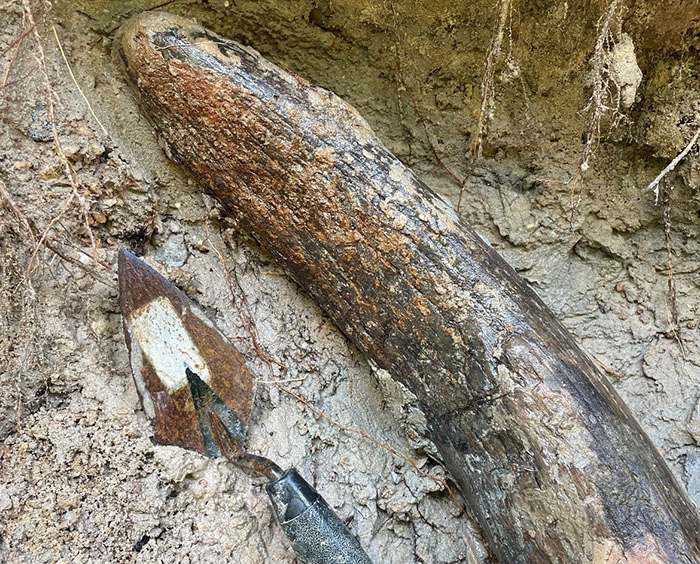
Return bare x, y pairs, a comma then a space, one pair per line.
80, 480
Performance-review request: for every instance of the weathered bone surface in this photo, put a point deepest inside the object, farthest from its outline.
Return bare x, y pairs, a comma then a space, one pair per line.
549, 459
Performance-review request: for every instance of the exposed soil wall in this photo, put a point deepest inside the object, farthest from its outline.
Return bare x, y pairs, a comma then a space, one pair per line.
79, 478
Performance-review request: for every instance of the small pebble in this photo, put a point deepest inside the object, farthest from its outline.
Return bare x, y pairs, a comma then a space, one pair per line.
71, 150
99, 216
40, 126
49, 172
101, 327
96, 148
201, 246
90, 418
5, 500
175, 227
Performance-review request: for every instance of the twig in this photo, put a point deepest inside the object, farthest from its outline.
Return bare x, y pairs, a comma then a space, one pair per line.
45, 232
16, 81
82, 251
654, 184
70, 71
607, 368
50, 243
162, 5
53, 242
18, 41
282, 381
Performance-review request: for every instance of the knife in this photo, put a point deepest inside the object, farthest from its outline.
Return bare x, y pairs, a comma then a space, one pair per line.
197, 391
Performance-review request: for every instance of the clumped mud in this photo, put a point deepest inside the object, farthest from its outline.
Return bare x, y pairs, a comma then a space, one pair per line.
80, 479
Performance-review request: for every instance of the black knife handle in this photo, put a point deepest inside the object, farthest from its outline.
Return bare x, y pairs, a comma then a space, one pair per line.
315, 531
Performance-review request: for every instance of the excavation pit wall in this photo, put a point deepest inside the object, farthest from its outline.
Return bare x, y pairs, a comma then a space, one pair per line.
79, 474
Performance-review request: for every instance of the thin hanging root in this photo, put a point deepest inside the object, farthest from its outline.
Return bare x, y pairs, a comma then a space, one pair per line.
488, 94
598, 103
487, 88
654, 184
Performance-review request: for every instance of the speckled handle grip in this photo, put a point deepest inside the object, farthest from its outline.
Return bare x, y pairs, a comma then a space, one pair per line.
317, 534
